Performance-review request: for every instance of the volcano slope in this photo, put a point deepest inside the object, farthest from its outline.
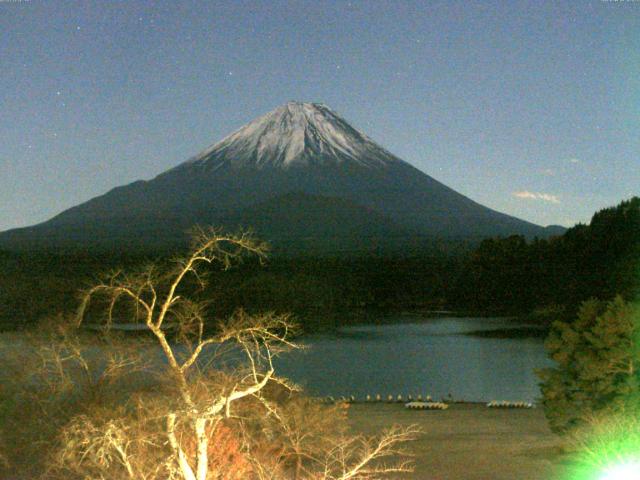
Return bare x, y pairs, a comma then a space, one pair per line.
298, 172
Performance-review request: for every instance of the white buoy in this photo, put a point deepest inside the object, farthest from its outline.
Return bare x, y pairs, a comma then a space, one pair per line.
508, 404
427, 405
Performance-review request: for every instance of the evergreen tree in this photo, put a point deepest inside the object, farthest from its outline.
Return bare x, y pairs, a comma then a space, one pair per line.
600, 260
597, 361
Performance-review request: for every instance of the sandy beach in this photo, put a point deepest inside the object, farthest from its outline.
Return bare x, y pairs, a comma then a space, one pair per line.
470, 441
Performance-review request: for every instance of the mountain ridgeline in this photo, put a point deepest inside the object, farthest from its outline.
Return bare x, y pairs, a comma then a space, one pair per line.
301, 176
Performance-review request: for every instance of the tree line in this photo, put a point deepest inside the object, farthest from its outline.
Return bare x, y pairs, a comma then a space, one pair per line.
598, 260
511, 276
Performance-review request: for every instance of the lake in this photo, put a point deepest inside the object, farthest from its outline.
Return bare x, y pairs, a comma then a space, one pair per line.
418, 355
402, 355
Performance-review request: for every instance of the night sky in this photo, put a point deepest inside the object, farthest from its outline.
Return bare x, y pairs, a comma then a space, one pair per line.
530, 108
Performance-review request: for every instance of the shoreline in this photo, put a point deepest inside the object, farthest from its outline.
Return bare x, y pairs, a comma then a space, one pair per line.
469, 442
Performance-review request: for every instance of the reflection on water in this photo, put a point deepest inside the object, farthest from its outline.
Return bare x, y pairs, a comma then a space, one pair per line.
424, 356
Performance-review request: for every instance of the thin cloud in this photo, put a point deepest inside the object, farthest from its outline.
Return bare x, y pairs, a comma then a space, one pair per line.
574, 160
545, 197
549, 172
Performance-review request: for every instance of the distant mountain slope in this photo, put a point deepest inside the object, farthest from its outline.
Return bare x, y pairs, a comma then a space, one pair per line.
299, 148
298, 221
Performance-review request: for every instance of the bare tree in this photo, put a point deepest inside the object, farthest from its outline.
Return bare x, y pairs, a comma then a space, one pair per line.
212, 411
158, 301
52, 376
364, 458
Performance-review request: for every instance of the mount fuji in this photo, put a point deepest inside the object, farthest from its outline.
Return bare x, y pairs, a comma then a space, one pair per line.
300, 175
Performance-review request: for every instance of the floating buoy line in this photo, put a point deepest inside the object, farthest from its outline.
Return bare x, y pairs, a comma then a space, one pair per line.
427, 405
422, 402
506, 404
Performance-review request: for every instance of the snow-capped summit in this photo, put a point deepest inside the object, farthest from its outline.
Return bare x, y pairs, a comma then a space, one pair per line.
295, 134
301, 176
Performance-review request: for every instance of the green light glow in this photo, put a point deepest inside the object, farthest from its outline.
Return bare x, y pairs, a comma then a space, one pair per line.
607, 448
623, 471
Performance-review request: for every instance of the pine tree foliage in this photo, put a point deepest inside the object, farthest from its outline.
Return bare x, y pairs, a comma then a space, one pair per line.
599, 260
597, 360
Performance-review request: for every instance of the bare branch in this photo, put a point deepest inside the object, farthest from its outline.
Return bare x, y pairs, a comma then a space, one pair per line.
169, 430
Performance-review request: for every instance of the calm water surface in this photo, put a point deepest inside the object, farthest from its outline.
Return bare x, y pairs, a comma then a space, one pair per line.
416, 355
419, 356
